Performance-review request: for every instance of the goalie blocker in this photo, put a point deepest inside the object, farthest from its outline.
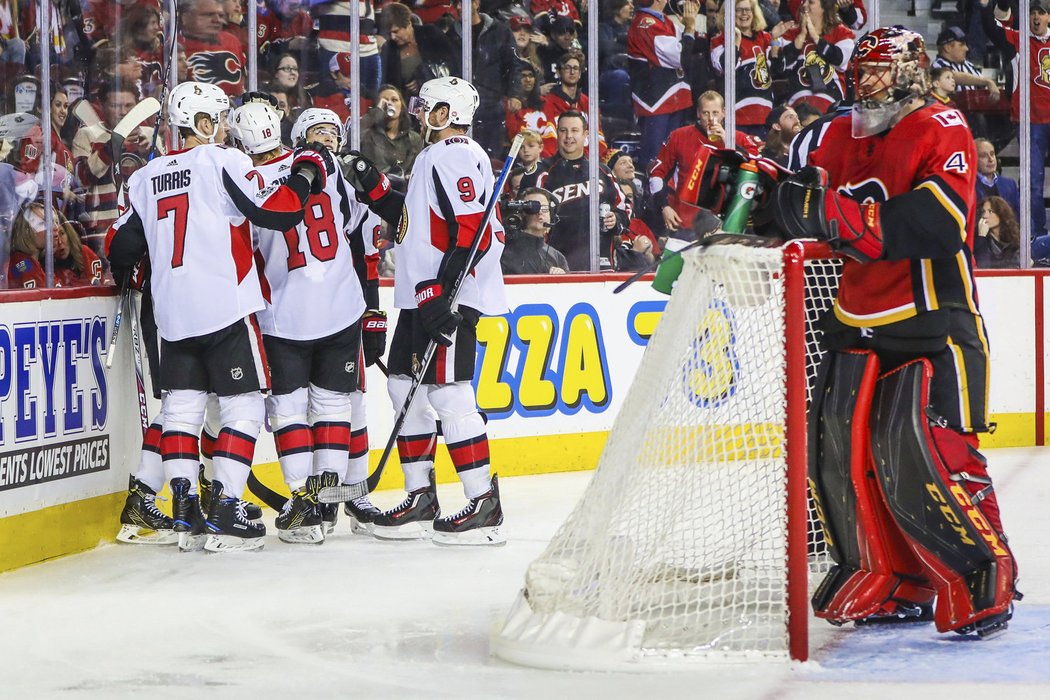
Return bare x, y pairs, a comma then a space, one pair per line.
913, 518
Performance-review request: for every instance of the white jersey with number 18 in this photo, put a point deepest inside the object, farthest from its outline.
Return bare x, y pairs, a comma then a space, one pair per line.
310, 281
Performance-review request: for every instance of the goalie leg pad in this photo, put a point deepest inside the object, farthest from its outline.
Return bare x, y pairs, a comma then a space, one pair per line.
875, 573
937, 488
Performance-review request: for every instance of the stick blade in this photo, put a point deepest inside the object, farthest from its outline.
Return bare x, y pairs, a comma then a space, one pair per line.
138, 114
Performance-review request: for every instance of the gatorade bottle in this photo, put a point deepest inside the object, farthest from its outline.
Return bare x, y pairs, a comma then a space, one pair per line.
735, 221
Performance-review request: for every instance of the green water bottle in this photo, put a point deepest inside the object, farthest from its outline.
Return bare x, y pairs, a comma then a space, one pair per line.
740, 208
671, 264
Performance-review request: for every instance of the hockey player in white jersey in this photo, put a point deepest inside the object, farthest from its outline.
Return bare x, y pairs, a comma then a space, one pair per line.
450, 186
190, 210
320, 282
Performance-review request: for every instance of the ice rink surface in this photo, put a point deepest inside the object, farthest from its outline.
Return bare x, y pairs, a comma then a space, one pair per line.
359, 618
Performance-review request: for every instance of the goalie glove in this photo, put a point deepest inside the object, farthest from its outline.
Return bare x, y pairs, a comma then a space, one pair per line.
370, 184
435, 313
805, 207
315, 163
373, 335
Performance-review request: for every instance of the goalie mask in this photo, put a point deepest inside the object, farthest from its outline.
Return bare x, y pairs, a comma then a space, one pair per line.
888, 68
189, 99
316, 116
460, 96
255, 127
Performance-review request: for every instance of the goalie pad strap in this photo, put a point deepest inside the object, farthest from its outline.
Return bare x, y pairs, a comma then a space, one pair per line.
929, 476
876, 573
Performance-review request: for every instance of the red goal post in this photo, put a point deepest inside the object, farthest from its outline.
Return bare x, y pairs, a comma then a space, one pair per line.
695, 539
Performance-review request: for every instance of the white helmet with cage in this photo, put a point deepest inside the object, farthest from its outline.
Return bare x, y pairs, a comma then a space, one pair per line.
189, 99
310, 118
256, 127
460, 96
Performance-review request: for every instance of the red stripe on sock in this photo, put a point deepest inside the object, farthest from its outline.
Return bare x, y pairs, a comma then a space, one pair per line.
207, 444
236, 446
176, 445
293, 440
417, 448
359, 443
151, 440
470, 453
332, 436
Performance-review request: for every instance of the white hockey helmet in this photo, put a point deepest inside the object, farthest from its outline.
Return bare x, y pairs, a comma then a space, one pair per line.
460, 96
312, 117
189, 99
256, 127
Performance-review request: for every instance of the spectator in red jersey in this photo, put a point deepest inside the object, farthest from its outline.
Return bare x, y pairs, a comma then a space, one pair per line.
754, 79
283, 26
524, 108
655, 46
546, 11
144, 37
682, 159
212, 55
999, 32
816, 55
76, 265
234, 20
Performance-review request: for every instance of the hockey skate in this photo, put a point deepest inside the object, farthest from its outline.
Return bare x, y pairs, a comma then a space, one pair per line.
477, 524
253, 511
141, 522
412, 519
362, 513
329, 511
300, 521
228, 526
187, 516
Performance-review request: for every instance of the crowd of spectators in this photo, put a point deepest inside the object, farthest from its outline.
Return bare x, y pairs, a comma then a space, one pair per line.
661, 66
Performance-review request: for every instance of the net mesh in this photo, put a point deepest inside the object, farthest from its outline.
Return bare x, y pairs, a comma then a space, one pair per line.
682, 531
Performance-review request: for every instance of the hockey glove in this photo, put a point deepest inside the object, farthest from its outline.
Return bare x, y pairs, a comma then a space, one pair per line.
805, 207
435, 313
371, 185
373, 335
315, 162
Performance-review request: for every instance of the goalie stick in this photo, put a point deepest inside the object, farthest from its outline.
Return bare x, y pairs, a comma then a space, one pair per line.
348, 492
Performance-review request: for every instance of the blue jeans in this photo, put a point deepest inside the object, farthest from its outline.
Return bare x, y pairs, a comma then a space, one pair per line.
655, 131
1040, 150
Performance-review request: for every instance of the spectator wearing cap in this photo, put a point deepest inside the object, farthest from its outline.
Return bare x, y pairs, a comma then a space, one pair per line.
415, 52
989, 182
754, 78
655, 46
781, 126
563, 39
524, 107
334, 92
996, 26
496, 69
566, 95
951, 54
621, 164
526, 40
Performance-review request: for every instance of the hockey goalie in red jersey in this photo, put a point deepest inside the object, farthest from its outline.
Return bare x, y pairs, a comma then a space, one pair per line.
907, 506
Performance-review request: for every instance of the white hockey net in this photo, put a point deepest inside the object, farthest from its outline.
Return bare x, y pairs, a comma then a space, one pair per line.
679, 546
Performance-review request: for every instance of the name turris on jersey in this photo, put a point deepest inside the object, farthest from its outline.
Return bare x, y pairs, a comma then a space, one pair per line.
178, 180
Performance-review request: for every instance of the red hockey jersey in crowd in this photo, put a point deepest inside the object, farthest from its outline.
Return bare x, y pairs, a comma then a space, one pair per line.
1039, 70
808, 68
754, 82
221, 63
654, 47
681, 161
925, 168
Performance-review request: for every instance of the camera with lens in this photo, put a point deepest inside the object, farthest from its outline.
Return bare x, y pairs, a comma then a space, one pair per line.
514, 213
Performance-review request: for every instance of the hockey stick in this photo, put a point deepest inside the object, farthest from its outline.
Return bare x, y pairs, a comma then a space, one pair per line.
348, 492
138, 114
140, 385
173, 48
265, 494
117, 318
655, 264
